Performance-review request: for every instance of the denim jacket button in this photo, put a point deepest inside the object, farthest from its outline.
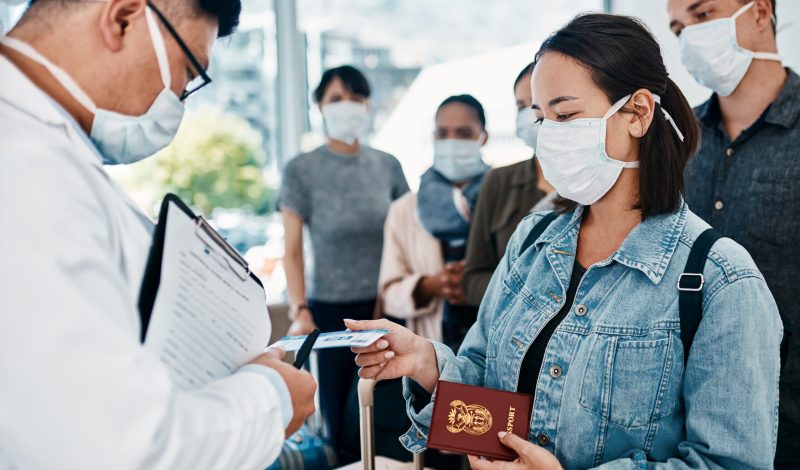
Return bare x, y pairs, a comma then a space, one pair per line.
581, 310
543, 439
729, 152
555, 372
419, 435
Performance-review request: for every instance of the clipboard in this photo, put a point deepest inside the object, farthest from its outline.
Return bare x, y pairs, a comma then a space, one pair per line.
152, 275
204, 313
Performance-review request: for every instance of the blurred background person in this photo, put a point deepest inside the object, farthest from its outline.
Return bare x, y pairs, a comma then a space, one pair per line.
341, 193
508, 194
426, 233
423, 249
745, 179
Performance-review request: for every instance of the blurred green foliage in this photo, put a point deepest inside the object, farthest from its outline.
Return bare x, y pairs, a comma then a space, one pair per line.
215, 161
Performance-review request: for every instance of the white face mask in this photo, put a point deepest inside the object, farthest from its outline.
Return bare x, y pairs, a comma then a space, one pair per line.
345, 120
713, 56
574, 159
122, 139
457, 159
11, 3
527, 127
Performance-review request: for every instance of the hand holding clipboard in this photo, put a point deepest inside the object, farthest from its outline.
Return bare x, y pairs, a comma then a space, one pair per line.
204, 314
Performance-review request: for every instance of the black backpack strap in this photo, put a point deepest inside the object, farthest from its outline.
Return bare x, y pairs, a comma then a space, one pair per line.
537, 231
690, 287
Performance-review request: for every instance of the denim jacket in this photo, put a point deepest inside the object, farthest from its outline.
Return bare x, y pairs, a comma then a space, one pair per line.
623, 398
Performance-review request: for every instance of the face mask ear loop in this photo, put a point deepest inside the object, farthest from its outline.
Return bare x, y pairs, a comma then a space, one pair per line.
766, 56
160, 48
668, 117
674, 125
783, 26
65, 80
616, 107
755, 55
742, 10
612, 111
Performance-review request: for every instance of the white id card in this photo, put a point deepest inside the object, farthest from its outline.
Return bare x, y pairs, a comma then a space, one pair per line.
335, 339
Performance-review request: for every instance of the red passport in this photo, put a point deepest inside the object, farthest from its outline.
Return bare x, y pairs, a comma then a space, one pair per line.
466, 419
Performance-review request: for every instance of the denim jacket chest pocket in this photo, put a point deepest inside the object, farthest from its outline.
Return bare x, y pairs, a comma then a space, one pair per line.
627, 365
631, 378
519, 313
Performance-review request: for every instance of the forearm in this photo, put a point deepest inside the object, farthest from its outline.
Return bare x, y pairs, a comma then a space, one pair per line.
295, 278
293, 257
426, 290
398, 300
419, 405
426, 372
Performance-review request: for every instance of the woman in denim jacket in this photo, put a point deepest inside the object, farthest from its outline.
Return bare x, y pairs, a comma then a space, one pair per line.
587, 317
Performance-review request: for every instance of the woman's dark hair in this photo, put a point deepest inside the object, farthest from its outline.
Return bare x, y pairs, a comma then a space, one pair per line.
622, 56
467, 100
353, 80
526, 71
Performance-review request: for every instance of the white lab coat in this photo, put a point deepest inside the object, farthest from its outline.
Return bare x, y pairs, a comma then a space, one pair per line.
77, 390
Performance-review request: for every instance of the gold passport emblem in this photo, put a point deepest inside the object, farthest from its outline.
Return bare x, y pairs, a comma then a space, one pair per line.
471, 419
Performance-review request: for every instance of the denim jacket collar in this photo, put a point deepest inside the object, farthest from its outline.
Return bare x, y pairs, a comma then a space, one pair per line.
649, 247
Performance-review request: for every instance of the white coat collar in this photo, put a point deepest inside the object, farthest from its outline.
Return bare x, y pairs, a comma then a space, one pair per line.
22, 94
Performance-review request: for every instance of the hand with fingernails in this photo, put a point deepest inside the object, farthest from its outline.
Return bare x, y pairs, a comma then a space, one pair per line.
400, 353
531, 456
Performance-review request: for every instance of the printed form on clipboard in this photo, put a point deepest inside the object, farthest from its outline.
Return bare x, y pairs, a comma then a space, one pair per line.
204, 314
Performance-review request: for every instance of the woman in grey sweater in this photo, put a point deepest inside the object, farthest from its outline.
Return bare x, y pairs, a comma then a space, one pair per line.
341, 192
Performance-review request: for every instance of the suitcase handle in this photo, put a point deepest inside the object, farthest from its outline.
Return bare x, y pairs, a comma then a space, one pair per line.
366, 404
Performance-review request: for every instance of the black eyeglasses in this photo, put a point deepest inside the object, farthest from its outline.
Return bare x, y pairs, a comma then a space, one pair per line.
202, 79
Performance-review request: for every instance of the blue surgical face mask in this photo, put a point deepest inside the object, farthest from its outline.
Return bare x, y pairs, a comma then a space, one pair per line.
574, 159
712, 54
458, 160
122, 139
528, 127
345, 120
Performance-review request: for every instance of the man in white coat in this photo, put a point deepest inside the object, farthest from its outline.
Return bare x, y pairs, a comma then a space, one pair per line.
84, 83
